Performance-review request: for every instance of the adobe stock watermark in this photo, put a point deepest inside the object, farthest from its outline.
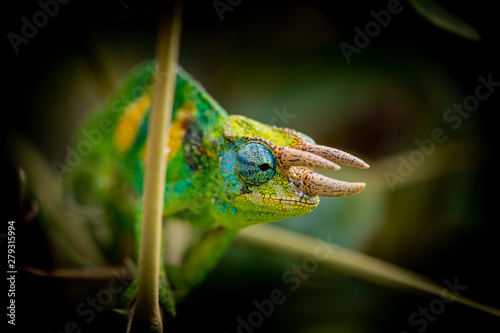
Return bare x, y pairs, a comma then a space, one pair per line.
293, 277
93, 137
372, 29
453, 116
223, 6
30, 26
281, 117
420, 319
74, 156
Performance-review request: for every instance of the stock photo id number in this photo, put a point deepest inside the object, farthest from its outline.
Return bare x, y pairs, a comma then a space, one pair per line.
11, 272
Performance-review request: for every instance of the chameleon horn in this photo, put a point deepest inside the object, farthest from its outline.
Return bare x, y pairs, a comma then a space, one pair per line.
317, 184
335, 155
331, 154
292, 157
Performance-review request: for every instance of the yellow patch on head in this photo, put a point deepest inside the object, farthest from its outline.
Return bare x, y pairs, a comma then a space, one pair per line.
130, 122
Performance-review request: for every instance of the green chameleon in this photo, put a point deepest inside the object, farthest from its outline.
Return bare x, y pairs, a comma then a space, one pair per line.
224, 172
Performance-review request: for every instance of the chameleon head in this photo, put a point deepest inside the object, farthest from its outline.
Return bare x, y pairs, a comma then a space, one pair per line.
268, 172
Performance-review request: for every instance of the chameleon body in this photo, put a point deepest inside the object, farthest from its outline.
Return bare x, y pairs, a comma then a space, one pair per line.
224, 172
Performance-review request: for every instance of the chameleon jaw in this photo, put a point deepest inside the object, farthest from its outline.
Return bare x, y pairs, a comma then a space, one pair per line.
286, 200
296, 201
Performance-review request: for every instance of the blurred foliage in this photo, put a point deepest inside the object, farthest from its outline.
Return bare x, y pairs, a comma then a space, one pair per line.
266, 61
444, 19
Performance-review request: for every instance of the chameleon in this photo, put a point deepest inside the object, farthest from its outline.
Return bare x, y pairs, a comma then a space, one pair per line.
224, 172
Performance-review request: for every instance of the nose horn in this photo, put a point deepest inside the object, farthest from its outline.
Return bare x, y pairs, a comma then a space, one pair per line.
317, 184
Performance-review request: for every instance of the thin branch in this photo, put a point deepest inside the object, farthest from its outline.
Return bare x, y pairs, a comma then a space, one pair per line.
350, 262
86, 274
146, 312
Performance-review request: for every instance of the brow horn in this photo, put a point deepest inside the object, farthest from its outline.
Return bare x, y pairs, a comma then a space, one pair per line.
293, 157
331, 154
335, 155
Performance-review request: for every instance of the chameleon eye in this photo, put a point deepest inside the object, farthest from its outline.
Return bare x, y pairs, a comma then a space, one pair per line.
264, 167
255, 163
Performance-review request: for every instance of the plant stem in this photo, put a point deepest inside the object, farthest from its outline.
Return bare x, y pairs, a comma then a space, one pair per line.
350, 262
146, 312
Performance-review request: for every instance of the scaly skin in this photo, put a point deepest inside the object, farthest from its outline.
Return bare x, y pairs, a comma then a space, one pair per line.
224, 172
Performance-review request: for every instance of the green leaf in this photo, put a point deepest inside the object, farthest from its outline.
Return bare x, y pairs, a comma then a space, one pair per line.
445, 20
351, 262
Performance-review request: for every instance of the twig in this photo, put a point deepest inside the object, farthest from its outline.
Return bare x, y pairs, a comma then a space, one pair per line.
351, 262
86, 274
146, 315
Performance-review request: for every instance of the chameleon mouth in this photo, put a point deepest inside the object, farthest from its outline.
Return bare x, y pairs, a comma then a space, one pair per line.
310, 201
285, 202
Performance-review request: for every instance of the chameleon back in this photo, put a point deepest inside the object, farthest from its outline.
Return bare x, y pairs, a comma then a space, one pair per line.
195, 133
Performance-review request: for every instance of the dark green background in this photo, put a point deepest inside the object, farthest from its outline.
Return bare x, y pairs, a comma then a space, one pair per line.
441, 222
